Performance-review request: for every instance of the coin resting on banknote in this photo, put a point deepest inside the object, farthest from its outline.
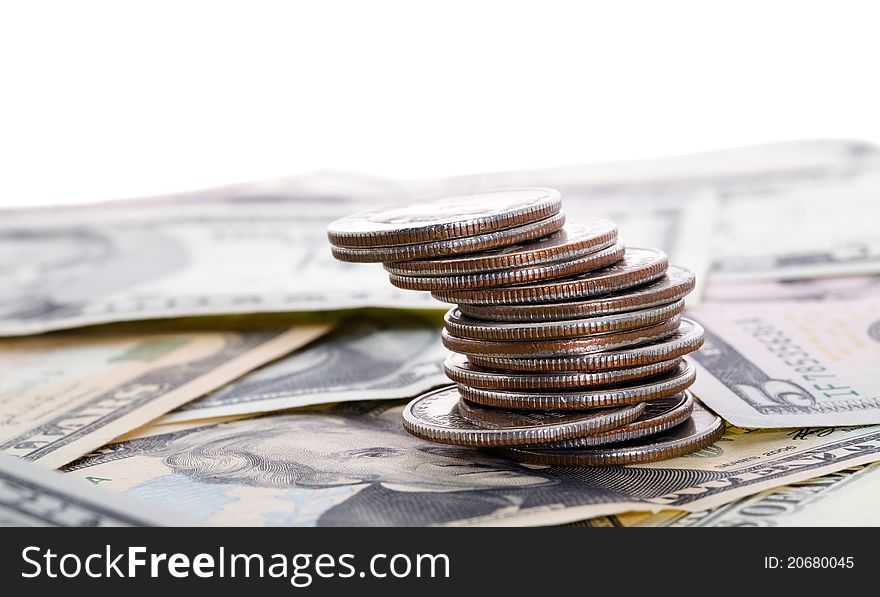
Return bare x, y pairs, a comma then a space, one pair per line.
573, 349
561, 299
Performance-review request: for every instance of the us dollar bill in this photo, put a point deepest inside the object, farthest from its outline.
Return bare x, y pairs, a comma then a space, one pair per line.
828, 230
32, 496
245, 249
823, 191
353, 464
365, 358
63, 395
800, 289
845, 498
261, 247
791, 363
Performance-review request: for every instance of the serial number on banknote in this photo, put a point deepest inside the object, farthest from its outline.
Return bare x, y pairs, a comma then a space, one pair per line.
802, 363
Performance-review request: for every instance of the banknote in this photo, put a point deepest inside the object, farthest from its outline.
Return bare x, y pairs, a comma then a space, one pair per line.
801, 289
261, 247
791, 363
778, 211
829, 230
31, 495
143, 260
353, 464
63, 395
845, 498
368, 357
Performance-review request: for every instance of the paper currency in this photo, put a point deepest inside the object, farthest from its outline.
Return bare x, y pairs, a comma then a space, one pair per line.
353, 464
791, 363
845, 498
367, 358
261, 247
64, 395
33, 496
821, 231
802, 289
249, 252
724, 211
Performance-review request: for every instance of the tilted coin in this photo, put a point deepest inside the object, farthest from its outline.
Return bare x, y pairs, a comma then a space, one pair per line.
687, 338
444, 218
659, 415
477, 329
702, 429
605, 419
560, 347
671, 382
453, 246
638, 266
674, 286
441, 416
461, 371
523, 275
577, 239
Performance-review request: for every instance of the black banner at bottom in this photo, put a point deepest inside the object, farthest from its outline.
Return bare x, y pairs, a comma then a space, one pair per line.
431, 561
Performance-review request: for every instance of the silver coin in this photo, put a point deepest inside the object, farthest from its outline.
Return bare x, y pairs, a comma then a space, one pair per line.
638, 266
461, 371
561, 347
686, 339
478, 329
453, 246
508, 277
444, 218
577, 239
671, 382
674, 286
441, 416
702, 429
660, 414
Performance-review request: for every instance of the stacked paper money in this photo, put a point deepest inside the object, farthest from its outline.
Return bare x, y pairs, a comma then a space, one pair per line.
206, 353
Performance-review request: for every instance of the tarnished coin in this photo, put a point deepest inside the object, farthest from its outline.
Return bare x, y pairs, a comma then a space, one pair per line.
577, 239
687, 338
523, 275
702, 429
561, 347
638, 266
444, 218
461, 371
477, 329
441, 416
675, 285
666, 384
659, 415
453, 246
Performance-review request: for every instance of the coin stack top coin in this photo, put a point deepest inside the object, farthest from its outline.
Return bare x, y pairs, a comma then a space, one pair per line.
567, 345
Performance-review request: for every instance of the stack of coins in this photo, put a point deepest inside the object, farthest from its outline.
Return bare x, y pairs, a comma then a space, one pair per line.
567, 346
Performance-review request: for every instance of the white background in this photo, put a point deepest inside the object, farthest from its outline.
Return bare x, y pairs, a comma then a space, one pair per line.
113, 99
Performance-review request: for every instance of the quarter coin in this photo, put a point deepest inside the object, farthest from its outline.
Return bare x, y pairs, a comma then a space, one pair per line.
660, 414
461, 371
702, 429
523, 275
462, 326
576, 239
561, 347
687, 338
638, 266
444, 218
674, 286
453, 246
671, 382
441, 416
